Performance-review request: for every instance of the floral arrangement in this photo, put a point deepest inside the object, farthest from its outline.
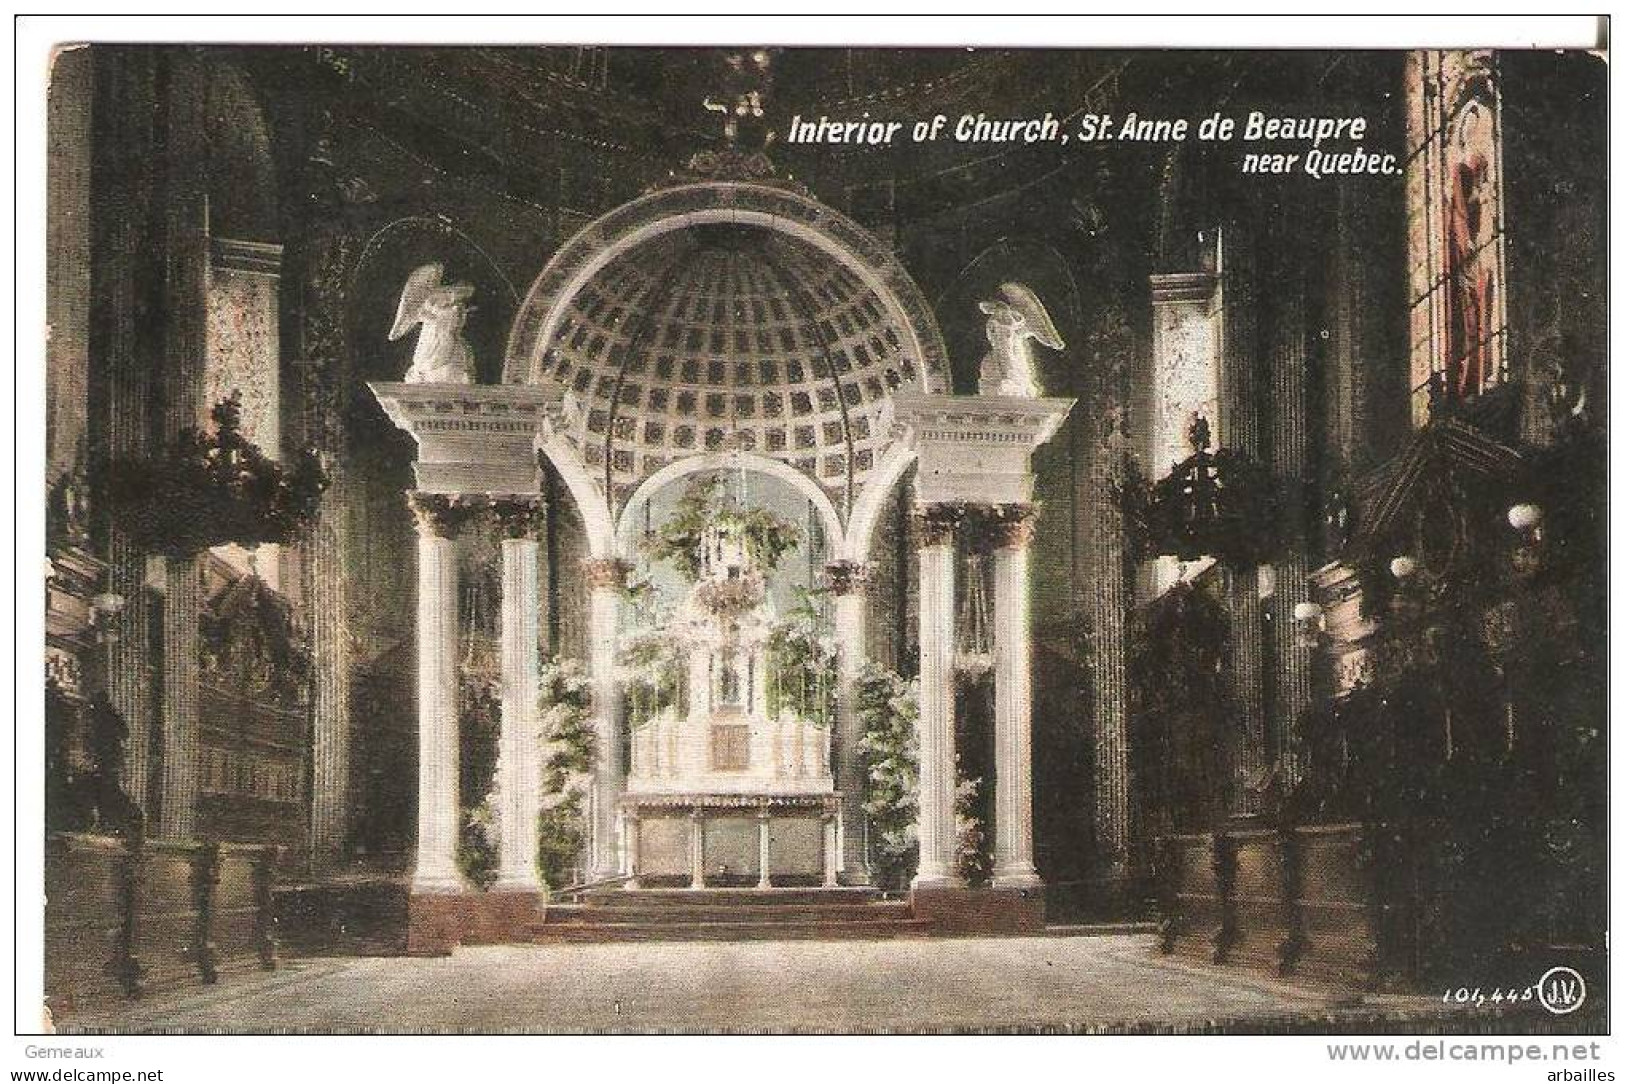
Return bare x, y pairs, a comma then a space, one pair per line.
654, 662
801, 664
973, 858
887, 708
567, 763
731, 598
707, 503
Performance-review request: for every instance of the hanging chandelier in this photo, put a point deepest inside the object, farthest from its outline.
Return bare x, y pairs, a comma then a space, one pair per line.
973, 651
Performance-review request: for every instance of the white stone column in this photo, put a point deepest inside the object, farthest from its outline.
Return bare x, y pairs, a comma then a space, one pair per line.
634, 842
696, 850
935, 525
832, 835
1012, 699
764, 847
519, 759
847, 580
439, 517
606, 579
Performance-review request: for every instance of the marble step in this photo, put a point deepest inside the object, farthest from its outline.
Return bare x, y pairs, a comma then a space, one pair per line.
594, 932
735, 912
749, 897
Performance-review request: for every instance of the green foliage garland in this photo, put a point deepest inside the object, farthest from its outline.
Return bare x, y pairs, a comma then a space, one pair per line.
655, 662
707, 502
566, 725
887, 708
802, 663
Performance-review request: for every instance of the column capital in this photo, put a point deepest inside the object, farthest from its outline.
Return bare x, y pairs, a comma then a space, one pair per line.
606, 572
519, 515
443, 515
846, 577
935, 524
1007, 526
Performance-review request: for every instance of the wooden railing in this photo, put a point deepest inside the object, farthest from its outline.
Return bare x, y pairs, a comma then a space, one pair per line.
125, 917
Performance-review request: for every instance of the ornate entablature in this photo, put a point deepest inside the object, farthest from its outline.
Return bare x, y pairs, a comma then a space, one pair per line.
977, 449
471, 438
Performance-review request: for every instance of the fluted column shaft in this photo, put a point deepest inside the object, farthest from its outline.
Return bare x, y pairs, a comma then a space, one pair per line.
330, 710
607, 581
178, 780
937, 767
439, 519
1012, 700
519, 757
846, 583
1109, 595
1290, 448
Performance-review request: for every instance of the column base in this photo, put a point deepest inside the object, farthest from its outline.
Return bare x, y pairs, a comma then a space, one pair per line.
517, 883
1022, 875
976, 911
439, 883
928, 881
437, 923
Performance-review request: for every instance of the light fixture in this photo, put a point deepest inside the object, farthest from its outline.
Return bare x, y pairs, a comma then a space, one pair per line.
107, 604
1525, 517
1402, 567
1306, 612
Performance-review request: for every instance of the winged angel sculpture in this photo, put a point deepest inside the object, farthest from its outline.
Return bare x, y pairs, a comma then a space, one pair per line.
442, 355
1014, 321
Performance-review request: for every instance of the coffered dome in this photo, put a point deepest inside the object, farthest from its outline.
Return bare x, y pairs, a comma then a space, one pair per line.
716, 337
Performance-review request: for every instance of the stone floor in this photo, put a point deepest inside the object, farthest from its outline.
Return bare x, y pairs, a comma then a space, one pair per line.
1114, 982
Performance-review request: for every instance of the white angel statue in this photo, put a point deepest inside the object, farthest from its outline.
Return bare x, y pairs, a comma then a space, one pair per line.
442, 355
1007, 367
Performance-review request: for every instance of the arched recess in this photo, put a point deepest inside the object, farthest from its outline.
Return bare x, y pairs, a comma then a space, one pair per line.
751, 204
1036, 264
731, 461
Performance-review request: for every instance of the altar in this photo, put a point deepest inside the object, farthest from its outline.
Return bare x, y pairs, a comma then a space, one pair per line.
729, 781
790, 354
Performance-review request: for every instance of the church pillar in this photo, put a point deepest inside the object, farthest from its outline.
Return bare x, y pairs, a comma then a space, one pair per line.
184, 270
317, 421
847, 580
1294, 658
1110, 603
1245, 588
606, 578
178, 780
330, 708
1012, 531
439, 517
935, 528
519, 759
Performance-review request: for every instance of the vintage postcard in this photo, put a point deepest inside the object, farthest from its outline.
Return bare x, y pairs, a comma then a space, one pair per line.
757, 538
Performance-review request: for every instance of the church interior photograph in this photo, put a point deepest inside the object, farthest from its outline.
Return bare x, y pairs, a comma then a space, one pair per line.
628, 539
